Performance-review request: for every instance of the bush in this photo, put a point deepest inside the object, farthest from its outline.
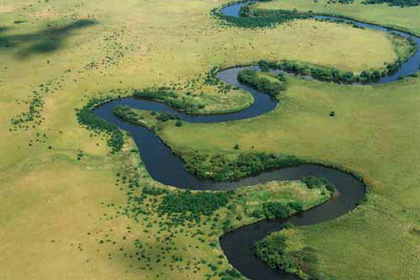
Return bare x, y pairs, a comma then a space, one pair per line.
317, 182
163, 117
271, 250
230, 274
276, 210
262, 84
185, 205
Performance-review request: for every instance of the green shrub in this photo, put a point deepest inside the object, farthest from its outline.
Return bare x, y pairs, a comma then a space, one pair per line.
126, 113
163, 117
276, 210
262, 84
184, 206
400, 3
330, 74
317, 182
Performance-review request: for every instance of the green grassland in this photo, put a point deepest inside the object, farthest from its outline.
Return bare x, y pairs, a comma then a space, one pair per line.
80, 230
59, 194
371, 134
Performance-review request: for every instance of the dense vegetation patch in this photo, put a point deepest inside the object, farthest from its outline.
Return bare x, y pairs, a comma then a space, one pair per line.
317, 182
126, 114
163, 117
259, 18
400, 3
87, 118
278, 210
340, 1
185, 205
272, 87
222, 167
182, 206
273, 251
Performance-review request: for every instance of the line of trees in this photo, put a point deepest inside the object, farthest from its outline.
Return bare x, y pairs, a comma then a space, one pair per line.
400, 3
262, 84
330, 74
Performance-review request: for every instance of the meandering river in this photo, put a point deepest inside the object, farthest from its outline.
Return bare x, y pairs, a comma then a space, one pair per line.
164, 166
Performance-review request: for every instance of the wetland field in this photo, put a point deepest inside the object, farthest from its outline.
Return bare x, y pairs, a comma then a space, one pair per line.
210, 139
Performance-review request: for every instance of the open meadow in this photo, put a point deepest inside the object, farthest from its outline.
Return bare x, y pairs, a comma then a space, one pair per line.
70, 209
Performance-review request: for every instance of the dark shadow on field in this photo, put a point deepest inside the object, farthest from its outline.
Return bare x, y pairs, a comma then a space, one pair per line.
3, 28
45, 41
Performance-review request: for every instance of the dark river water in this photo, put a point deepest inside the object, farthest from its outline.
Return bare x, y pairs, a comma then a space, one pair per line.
167, 168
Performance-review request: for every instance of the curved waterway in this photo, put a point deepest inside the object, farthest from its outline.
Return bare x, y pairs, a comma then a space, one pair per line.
164, 166
411, 66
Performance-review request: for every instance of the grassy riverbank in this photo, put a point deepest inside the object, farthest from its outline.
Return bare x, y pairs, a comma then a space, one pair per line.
59, 197
404, 18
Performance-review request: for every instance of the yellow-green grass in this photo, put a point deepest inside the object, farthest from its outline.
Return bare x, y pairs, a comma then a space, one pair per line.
374, 134
403, 18
63, 217
47, 194
193, 43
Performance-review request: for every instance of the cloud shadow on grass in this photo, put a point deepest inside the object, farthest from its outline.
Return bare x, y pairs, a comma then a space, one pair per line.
48, 40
